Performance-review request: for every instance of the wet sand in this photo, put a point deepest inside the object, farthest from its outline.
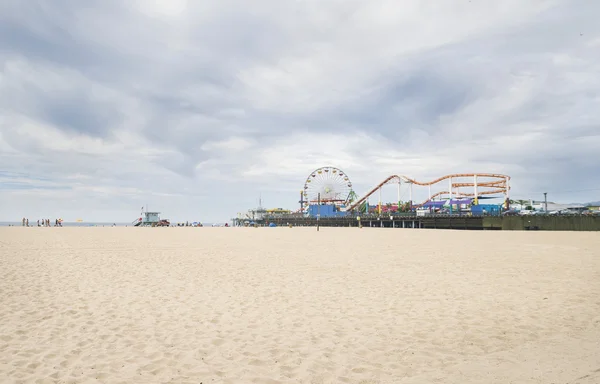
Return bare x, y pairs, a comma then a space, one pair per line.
281, 305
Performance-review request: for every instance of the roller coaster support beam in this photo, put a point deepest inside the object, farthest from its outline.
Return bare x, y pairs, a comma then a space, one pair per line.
450, 193
379, 201
475, 190
506, 194
398, 194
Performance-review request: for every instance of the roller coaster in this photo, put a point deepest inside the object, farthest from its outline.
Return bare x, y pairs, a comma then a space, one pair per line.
482, 184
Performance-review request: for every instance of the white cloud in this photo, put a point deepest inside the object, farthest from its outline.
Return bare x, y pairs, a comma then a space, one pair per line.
232, 144
197, 108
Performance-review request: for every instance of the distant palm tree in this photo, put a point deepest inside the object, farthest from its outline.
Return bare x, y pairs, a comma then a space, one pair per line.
362, 208
352, 197
404, 206
520, 202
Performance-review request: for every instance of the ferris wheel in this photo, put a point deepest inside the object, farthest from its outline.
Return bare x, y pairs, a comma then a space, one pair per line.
332, 183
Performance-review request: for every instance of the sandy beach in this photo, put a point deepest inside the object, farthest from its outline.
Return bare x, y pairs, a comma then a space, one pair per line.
281, 305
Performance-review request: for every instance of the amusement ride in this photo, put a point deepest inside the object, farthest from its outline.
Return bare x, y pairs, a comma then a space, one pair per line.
327, 185
459, 185
332, 186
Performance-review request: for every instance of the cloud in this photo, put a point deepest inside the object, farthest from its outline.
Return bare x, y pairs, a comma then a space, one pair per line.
199, 108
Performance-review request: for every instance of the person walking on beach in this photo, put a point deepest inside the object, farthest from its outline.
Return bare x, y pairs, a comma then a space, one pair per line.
23, 221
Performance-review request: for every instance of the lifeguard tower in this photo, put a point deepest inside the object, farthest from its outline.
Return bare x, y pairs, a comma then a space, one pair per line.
148, 219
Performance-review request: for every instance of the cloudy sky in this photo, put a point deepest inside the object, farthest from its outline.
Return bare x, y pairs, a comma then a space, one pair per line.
197, 108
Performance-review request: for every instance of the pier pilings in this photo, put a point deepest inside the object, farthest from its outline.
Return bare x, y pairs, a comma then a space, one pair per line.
464, 222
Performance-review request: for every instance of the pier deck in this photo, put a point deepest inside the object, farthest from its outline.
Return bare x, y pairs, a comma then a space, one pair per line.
538, 222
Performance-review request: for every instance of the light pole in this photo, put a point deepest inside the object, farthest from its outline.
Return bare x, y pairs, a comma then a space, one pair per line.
318, 210
545, 202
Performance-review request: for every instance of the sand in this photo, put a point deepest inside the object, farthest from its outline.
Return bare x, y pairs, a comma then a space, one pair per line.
281, 305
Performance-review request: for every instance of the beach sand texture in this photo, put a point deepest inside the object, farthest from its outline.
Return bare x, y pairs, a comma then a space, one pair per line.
281, 305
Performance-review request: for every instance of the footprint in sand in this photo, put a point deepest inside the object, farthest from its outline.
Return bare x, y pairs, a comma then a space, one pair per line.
256, 362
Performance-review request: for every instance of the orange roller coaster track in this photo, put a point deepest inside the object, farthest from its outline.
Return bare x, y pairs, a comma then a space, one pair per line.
498, 184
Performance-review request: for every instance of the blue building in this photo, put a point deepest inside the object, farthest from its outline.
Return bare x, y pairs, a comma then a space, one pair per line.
486, 209
325, 210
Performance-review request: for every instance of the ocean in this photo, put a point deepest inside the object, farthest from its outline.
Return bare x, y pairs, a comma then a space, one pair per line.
64, 224
84, 224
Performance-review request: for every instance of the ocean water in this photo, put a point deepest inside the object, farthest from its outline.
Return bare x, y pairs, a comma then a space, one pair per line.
64, 224
83, 224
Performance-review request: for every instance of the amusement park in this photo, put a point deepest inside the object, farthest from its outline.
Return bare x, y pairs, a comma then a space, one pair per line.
327, 193
456, 201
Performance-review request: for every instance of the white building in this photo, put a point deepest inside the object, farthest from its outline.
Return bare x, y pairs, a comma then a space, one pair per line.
552, 206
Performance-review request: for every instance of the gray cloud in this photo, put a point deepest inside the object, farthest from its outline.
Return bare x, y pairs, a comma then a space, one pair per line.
197, 109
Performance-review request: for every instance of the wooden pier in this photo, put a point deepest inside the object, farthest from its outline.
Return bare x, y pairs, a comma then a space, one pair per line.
464, 222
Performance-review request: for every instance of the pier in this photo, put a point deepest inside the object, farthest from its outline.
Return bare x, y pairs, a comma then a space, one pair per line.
464, 222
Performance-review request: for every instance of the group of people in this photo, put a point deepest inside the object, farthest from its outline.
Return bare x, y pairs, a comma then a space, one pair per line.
43, 223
